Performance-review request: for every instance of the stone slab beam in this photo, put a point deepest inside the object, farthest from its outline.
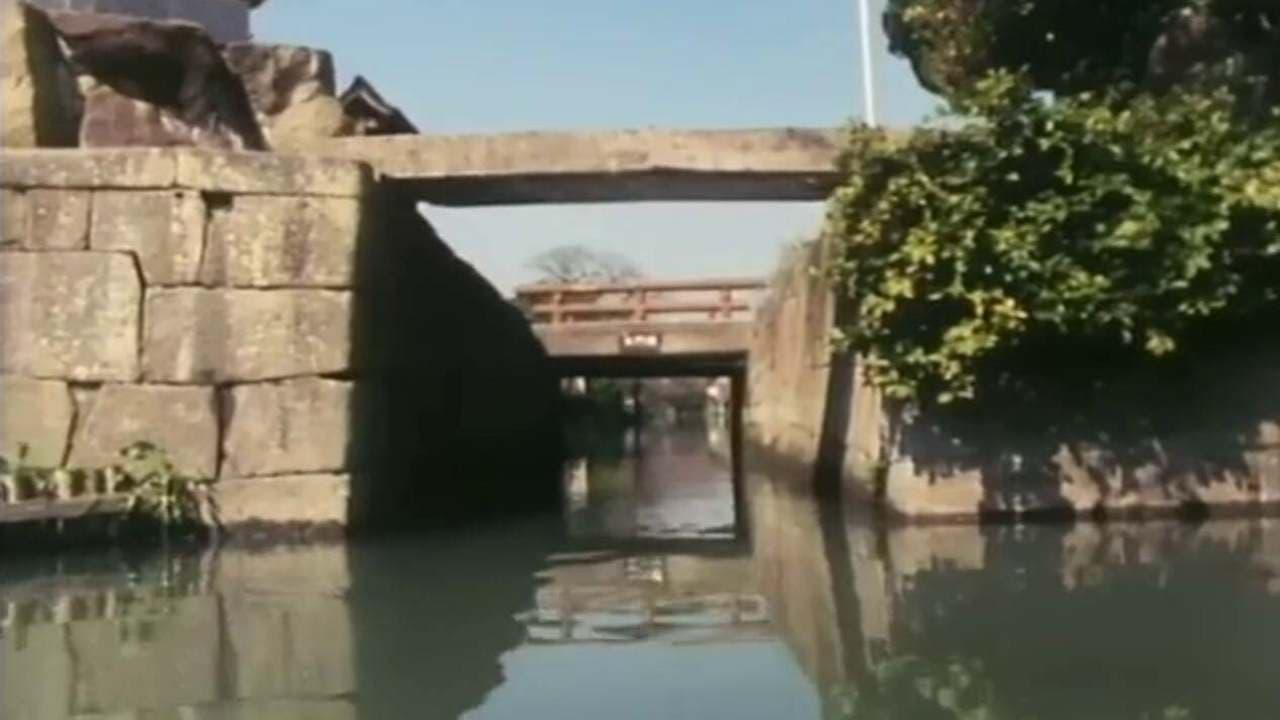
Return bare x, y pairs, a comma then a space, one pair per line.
619, 166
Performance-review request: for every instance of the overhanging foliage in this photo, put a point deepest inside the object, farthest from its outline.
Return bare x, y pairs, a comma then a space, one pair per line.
1119, 224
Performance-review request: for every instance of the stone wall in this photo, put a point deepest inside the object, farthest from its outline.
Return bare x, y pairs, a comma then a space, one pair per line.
801, 404
1203, 438
280, 324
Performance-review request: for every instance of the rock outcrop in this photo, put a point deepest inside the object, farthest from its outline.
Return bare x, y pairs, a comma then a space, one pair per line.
292, 90
188, 94
371, 114
38, 100
143, 78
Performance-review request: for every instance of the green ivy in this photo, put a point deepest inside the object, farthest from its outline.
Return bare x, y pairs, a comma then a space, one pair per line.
1020, 220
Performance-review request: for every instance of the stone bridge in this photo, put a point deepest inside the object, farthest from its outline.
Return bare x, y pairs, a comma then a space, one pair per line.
294, 329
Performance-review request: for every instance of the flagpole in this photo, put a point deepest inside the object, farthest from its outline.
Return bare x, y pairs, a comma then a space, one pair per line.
868, 67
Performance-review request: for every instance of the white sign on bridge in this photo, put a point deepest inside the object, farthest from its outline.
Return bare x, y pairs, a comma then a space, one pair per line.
640, 342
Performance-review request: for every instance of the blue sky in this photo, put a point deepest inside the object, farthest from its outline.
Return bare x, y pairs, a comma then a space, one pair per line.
471, 66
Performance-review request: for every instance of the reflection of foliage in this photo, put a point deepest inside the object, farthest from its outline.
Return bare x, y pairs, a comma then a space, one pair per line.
910, 687
156, 491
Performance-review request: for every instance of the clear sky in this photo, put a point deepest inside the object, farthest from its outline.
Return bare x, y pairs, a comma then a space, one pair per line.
472, 66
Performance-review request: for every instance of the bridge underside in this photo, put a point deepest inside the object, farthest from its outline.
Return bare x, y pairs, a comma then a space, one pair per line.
669, 349
621, 166
709, 366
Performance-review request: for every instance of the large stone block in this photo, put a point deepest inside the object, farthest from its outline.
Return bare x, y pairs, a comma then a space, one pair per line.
164, 229
296, 426
182, 421
57, 220
69, 315
38, 414
198, 335
289, 500
268, 241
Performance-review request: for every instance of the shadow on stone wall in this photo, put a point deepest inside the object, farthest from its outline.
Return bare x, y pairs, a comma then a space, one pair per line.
1060, 430
457, 414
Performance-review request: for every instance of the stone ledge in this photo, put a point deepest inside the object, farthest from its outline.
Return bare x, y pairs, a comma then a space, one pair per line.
191, 168
63, 168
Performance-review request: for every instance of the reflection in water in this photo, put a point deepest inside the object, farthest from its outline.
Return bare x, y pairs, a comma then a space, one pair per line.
819, 616
672, 482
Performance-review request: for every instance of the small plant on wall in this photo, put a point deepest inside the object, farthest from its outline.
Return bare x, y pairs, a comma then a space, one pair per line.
155, 492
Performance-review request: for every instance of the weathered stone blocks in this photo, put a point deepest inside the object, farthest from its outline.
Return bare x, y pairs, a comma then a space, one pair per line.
296, 426
183, 421
44, 219
69, 315
13, 217
305, 499
216, 336
266, 241
164, 229
38, 414
57, 219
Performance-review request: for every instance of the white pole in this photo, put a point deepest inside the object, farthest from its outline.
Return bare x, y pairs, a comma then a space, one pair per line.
868, 67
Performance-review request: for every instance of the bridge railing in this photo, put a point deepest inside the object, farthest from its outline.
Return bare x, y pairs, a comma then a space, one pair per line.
724, 299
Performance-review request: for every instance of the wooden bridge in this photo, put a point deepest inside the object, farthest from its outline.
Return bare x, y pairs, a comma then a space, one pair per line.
644, 328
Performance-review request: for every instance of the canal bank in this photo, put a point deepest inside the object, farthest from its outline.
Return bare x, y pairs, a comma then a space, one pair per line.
1107, 439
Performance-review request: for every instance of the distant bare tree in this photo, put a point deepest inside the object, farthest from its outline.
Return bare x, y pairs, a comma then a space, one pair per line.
577, 264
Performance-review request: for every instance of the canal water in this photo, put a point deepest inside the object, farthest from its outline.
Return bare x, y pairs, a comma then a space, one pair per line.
650, 597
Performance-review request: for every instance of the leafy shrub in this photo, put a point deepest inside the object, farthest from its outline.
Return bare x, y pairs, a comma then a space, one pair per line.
1119, 226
